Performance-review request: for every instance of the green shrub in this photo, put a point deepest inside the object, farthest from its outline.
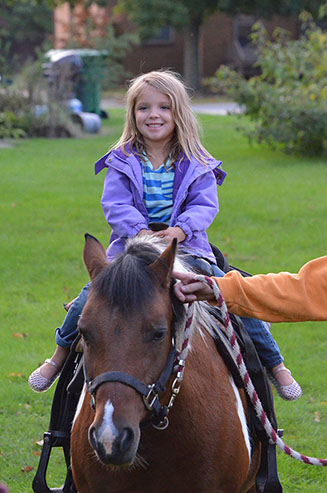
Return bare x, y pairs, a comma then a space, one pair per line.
28, 109
287, 101
11, 100
19, 118
12, 103
9, 129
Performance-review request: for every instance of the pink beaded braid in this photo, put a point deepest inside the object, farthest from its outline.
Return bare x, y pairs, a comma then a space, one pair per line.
249, 387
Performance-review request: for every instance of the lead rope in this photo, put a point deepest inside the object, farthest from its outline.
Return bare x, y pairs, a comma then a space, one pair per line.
249, 387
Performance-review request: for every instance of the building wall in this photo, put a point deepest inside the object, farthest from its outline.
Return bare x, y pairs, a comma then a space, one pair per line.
71, 24
217, 44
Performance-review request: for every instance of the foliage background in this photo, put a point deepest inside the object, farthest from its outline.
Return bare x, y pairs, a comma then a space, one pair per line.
24, 25
272, 217
287, 100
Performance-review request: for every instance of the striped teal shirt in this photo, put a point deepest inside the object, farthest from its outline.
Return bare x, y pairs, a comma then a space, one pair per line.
158, 190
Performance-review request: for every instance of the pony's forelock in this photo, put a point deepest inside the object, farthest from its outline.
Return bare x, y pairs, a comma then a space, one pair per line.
127, 284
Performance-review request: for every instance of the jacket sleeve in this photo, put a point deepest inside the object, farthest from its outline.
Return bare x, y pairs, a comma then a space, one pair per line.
119, 207
201, 205
282, 297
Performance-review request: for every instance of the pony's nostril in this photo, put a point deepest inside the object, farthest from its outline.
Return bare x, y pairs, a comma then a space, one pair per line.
126, 439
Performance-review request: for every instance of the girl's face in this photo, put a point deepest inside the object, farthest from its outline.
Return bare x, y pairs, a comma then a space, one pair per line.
153, 116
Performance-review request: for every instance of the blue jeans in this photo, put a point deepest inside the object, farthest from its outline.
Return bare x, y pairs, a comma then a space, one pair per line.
258, 330
66, 334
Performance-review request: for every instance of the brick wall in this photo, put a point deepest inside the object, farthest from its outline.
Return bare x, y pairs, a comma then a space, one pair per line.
216, 40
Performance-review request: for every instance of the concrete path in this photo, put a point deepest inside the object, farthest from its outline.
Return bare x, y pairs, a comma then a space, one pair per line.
217, 108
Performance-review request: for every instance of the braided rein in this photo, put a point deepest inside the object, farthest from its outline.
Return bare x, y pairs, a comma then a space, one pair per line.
249, 387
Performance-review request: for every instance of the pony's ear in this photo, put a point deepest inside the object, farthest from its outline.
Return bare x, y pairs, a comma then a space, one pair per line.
94, 256
163, 266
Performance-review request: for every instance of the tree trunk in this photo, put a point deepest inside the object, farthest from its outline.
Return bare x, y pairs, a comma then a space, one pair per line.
191, 54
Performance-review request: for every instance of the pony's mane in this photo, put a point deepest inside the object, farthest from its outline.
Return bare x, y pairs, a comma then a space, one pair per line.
127, 283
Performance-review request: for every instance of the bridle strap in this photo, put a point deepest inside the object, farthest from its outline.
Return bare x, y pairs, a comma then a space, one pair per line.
117, 376
145, 390
127, 379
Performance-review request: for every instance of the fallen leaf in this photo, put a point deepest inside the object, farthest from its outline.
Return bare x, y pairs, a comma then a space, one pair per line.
13, 204
36, 452
323, 403
65, 289
27, 469
19, 335
311, 399
16, 374
317, 417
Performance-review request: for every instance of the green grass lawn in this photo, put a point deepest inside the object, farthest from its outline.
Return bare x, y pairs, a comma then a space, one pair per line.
272, 217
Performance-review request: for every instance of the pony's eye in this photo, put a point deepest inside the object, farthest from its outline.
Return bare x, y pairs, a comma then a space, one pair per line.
84, 339
84, 334
159, 334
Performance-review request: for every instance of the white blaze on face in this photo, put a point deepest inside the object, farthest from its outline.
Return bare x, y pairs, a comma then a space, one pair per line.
242, 417
107, 432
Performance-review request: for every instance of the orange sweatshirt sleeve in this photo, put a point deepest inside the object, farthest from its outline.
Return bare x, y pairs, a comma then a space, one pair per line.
282, 297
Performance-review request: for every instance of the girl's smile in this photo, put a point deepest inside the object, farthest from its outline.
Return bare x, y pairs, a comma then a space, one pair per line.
153, 116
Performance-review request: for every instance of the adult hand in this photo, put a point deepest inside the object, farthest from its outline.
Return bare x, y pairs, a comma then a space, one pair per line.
188, 289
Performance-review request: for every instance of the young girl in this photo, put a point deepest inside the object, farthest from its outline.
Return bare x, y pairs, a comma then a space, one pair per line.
159, 172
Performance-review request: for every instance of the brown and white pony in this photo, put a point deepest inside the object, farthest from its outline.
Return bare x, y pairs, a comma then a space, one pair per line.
128, 325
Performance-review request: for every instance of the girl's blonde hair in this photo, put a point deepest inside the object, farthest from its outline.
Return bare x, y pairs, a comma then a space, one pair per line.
186, 140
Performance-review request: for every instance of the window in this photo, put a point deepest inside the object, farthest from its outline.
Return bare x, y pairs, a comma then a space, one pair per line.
164, 35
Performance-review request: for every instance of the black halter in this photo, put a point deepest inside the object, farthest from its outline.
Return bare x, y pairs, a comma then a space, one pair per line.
149, 392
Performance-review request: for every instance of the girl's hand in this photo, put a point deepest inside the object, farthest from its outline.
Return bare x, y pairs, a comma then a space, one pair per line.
170, 233
188, 289
144, 232
68, 305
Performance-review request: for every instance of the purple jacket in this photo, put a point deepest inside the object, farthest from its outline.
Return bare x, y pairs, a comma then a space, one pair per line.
195, 201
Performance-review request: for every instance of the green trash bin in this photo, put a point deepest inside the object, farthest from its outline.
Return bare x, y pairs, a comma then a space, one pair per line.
88, 88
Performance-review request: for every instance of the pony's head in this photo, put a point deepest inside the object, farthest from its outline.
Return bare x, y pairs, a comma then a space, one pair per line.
127, 326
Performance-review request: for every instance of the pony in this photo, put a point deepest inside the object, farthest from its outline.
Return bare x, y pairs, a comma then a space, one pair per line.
132, 328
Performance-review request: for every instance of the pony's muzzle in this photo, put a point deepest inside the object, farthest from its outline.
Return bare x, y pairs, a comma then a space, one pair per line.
119, 449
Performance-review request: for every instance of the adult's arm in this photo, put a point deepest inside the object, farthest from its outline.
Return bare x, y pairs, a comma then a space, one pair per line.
281, 297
